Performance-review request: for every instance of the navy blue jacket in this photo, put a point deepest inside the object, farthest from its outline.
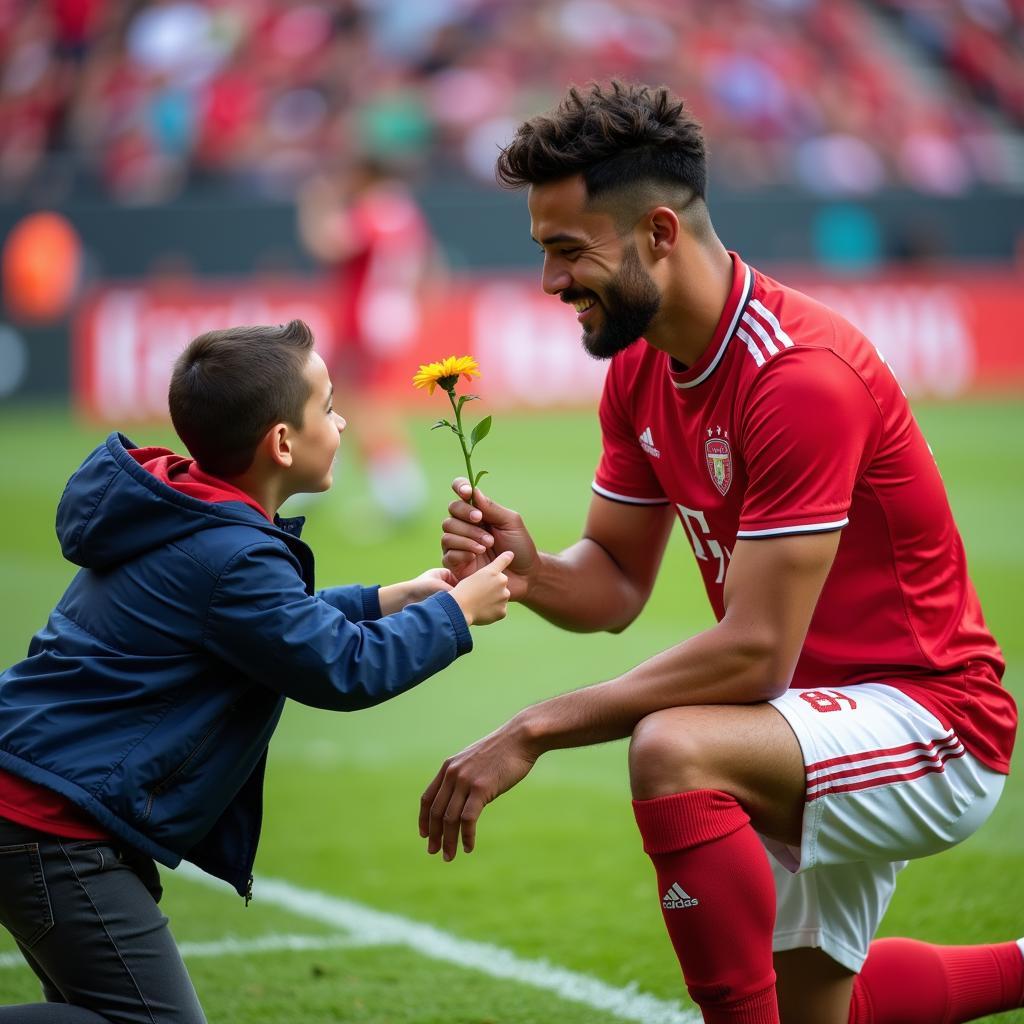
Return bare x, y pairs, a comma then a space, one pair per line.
150, 696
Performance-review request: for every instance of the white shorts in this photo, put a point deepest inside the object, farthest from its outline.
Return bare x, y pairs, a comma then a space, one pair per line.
886, 783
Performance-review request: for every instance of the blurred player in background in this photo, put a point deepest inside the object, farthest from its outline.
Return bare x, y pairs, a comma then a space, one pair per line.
365, 225
845, 713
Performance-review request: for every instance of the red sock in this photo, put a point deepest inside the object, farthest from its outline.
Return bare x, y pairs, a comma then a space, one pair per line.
718, 901
908, 982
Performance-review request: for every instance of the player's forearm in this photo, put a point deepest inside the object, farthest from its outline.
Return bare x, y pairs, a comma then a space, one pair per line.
715, 667
583, 590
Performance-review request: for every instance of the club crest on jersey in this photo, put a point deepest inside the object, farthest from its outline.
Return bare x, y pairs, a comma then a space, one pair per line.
718, 455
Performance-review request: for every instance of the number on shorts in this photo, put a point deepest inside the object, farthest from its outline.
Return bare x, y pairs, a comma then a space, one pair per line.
827, 700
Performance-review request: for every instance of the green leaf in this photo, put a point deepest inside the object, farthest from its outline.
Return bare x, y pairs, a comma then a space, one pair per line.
466, 398
441, 423
480, 431
479, 476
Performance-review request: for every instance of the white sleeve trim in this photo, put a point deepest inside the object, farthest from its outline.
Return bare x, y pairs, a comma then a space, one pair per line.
778, 531
626, 498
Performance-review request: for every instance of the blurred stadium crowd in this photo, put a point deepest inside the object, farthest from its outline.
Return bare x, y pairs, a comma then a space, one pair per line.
141, 100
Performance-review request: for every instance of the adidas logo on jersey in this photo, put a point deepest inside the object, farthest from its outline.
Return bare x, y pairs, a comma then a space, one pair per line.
647, 443
677, 898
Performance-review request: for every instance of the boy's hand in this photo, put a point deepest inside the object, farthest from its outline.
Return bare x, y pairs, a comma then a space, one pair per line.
433, 581
474, 535
483, 597
395, 597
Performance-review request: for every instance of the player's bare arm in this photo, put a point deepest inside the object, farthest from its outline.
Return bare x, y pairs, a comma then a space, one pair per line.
771, 591
601, 582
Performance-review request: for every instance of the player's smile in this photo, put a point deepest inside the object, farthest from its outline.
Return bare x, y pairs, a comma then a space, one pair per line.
629, 303
584, 246
584, 304
584, 310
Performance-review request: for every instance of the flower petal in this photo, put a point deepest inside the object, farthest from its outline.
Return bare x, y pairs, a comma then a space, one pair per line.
448, 369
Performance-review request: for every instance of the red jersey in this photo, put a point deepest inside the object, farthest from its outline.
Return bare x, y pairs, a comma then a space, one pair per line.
791, 422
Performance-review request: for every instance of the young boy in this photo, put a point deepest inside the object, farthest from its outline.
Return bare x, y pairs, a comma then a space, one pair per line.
136, 730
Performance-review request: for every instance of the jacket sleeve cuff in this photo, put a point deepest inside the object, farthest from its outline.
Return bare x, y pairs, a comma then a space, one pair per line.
355, 602
463, 638
371, 604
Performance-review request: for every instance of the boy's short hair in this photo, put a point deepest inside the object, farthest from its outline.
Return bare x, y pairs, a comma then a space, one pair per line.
229, 387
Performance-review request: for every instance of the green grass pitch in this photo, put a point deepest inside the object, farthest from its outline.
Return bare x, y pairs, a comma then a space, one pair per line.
558, 874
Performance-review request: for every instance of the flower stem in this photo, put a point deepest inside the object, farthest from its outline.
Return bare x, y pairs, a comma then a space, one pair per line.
462, 441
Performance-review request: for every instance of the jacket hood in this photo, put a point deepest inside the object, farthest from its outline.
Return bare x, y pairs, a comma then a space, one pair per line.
114, 508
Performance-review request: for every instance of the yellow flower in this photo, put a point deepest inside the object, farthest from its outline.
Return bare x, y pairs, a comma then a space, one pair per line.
446, 373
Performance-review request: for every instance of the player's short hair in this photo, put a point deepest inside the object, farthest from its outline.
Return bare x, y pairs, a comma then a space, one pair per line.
229, 387
616, 136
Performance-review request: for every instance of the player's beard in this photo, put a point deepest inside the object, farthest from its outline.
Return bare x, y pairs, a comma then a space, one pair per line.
631, 302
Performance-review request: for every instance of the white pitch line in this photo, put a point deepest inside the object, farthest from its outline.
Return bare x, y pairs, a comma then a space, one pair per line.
376, 927
231, 946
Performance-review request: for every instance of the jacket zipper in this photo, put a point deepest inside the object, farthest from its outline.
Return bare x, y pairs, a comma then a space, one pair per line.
165, 782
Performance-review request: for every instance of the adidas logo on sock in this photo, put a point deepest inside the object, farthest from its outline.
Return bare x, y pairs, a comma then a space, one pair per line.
677, 898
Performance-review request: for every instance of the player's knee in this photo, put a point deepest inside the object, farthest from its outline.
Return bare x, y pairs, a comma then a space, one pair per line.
665, 756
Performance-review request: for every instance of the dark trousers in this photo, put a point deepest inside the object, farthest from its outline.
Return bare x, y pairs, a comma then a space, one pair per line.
85, 917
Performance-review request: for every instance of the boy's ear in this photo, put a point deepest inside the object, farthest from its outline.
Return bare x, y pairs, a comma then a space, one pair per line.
277, 445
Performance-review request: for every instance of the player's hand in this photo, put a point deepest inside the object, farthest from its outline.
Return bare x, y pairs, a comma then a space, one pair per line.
483, 597
466, 783
474, 535
396, 596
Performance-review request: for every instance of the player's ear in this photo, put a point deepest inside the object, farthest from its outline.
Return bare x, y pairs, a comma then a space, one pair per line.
277, 445
662, 231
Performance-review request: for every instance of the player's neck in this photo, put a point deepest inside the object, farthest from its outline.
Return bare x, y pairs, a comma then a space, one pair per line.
693, 301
